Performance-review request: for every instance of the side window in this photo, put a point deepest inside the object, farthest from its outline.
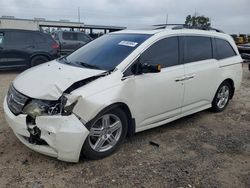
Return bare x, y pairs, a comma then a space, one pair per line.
69, 36
83, 37
224, 49
164, 52
38, 38
19, 38
1, 39
197, 48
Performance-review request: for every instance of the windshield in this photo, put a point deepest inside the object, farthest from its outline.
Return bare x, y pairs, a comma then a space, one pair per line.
106, 52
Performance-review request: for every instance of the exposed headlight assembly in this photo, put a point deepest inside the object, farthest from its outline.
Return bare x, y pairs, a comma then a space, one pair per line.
43, 107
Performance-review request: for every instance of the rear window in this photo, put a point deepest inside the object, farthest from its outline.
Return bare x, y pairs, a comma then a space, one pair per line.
38, 38
224, 49
197, 48
69, 36
83, 37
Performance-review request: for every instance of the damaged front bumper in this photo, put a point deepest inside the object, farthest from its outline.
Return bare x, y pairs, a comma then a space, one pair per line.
61, 136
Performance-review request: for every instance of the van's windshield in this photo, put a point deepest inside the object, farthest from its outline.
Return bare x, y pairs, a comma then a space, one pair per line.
106, 52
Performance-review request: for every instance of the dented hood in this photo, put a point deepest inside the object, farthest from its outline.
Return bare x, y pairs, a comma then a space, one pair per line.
48, 81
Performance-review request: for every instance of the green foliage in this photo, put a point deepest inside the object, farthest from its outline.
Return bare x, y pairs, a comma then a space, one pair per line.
198, 21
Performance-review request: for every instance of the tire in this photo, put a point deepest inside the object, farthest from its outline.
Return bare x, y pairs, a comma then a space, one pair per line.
106, 134
222, 97
37, 60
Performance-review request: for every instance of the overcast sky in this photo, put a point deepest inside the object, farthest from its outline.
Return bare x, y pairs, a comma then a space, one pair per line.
232, 16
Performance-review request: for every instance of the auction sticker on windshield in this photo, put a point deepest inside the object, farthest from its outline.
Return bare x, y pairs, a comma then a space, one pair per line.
128, 43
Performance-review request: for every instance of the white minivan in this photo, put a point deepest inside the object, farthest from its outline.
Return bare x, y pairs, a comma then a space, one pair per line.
125, 82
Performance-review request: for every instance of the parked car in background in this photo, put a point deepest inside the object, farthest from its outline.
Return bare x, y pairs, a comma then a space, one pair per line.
244, 48
69, 41
24, 48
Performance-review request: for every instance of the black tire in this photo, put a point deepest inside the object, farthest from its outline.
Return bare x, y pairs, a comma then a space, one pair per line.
215, 107
37, 60
88, 152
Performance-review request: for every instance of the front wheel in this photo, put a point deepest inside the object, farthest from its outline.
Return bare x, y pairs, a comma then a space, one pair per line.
222, 97
107, 132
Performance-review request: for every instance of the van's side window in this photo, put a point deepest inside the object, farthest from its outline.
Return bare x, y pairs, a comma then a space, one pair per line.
164, 52
197, 48
224, 49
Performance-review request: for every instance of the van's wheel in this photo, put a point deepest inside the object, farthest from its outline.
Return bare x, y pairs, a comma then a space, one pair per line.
222, 97
37, 60
107, 131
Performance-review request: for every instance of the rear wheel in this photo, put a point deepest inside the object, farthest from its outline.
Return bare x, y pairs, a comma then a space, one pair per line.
107, 132
37, 60
222, 97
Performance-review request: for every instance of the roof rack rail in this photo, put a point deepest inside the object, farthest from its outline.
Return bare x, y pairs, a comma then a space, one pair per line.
184, 26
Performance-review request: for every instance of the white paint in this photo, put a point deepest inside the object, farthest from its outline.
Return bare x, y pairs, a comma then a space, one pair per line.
153, 99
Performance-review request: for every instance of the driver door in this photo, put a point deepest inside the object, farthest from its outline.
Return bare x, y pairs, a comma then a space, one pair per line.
157, 97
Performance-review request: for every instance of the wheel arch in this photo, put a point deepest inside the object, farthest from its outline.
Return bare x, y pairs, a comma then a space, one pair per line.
124, 107
40, 54
231, 82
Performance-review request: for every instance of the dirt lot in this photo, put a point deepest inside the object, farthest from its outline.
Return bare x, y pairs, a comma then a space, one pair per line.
202, 150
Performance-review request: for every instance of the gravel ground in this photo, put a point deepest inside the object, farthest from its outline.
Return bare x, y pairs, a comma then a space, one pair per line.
201, 150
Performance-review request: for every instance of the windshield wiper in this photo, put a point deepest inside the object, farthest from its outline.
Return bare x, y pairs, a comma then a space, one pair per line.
88, 65
64, 59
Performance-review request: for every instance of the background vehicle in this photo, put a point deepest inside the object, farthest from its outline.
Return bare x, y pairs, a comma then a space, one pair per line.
24, 49
244, 48
70, 40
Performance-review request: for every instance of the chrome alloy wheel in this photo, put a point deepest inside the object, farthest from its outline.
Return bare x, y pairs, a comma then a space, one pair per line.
105, 132
223, 96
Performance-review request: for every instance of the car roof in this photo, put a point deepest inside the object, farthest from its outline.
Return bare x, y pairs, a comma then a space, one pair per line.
26, 30
166, 31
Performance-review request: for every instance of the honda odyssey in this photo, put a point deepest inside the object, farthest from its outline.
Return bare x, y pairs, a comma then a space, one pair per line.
86, 103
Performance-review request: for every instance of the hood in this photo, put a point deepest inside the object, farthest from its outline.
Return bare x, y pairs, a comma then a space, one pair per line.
48, 81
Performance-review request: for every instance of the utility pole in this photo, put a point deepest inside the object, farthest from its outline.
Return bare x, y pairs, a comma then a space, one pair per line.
167, 19
79, 15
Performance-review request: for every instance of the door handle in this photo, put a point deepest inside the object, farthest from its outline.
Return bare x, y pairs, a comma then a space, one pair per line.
191, 76
180, 79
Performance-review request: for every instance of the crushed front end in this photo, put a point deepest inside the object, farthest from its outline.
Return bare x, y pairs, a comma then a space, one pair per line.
48, 127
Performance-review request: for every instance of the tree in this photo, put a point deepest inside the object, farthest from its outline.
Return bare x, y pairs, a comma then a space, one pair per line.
198, 21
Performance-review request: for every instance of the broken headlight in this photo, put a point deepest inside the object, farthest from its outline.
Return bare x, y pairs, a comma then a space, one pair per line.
43, 107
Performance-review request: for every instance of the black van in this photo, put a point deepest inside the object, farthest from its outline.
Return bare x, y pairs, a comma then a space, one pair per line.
24, 48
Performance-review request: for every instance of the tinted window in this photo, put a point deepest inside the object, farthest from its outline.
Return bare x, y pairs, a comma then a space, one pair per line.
83, 37
197, 48
19, 38
224, 49
38, 38
107, 51
69, 36
1, 39
164, 52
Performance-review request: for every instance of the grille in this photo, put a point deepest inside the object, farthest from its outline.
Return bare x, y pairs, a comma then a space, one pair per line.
16, 100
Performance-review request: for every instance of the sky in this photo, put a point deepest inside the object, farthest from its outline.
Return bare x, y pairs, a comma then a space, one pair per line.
231, 16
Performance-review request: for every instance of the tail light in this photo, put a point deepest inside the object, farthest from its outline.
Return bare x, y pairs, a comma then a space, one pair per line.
55, 46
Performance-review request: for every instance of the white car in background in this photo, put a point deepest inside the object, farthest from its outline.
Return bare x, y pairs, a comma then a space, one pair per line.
121, 83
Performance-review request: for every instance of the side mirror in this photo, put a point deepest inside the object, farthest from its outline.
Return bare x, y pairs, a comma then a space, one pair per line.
147, 68
140, 68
